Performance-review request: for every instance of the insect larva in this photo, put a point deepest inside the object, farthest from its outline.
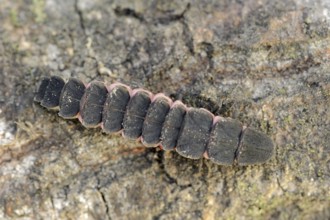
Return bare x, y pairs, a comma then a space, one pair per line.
157, 120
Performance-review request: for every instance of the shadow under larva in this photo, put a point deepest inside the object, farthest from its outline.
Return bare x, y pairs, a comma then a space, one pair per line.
156, 120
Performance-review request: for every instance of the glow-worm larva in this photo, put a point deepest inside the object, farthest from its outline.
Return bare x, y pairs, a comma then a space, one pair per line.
156, 120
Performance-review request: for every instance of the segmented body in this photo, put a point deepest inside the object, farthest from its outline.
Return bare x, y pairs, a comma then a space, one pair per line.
156, 120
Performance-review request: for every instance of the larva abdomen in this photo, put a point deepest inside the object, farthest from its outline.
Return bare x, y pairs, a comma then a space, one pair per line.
192, 132
91, 104
154, 121
136, 111
195, 132
223, 140
114, 109
70, 98
172, 125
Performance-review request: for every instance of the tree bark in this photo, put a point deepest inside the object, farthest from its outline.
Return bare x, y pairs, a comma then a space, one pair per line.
266, 63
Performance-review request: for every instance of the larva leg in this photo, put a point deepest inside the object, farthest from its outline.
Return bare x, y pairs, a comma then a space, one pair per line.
194, 133
70, 98
224, 140
91, 104
114, 109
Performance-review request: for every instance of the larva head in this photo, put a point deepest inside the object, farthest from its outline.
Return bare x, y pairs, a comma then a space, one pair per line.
255, 148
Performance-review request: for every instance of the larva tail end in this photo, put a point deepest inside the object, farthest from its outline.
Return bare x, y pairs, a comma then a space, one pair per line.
255, 148
41, 90
52, 93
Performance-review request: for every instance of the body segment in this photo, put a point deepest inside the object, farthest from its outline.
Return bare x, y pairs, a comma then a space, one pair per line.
70, 98
114, 109
224, 140
91, 104
154, 120
195, 132
135, 114
172, 126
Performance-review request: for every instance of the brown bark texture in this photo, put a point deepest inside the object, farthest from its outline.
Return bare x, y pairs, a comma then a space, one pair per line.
265, 63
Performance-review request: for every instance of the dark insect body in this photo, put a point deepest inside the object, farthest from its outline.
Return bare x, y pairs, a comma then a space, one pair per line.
157, 120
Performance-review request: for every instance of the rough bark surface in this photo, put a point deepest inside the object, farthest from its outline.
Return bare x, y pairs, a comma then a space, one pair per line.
266, 63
